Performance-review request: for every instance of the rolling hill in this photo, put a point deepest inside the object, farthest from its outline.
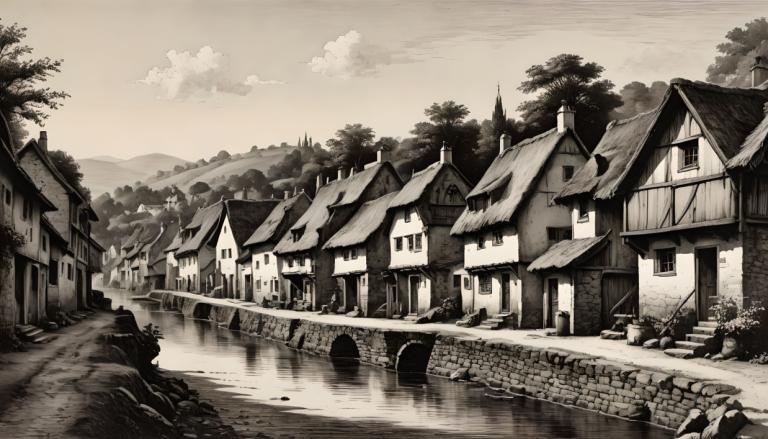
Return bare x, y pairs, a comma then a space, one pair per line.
104, 173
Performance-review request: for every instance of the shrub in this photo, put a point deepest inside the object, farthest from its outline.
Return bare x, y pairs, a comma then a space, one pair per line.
724, 311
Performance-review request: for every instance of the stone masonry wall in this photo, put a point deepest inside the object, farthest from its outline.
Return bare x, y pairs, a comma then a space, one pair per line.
755, 265
577, 380
585, 318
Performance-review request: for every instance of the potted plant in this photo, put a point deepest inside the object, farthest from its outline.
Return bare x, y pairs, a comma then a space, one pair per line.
640, 330
738, 331
563, 323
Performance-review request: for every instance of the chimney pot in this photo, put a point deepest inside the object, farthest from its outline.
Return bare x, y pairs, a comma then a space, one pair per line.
382, 155
505, 141
759, 72
351, 171
340, 173
566, 118
318, 181
43, 140
286, 195
446, 155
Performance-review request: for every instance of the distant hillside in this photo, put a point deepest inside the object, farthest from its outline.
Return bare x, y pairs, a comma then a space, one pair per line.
217, 172
104, 173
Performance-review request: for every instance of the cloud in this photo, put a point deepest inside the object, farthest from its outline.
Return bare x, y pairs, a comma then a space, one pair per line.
349, 56
200, 75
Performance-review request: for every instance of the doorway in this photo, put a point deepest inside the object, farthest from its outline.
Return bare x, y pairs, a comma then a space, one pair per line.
551, 302
613, 288
505, 299
413, 293
706, 281
350, 293
20, 266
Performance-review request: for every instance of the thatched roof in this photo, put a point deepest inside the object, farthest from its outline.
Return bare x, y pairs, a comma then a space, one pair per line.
52, 232
244, 217
334, 194
513, 176
420, 183
753, 149
568, 252
174, 245
601, 176
163, 240
245, 258
369, 217
271, 228
203, 224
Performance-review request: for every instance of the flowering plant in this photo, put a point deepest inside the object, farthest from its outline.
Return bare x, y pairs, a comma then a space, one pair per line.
724, 311
747, 321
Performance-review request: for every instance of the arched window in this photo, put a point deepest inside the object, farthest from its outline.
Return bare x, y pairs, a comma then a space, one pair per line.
452, 195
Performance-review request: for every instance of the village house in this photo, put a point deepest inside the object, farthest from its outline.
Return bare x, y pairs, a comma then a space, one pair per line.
136, 258
308, 268
259, 260
425, 261
172, 278
60, 271
695, 202
239, 219
196, 256
511, 219
124, 266
360, 252
593, 275
155, 264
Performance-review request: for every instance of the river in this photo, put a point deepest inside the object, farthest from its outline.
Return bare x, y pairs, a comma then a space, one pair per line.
245, 377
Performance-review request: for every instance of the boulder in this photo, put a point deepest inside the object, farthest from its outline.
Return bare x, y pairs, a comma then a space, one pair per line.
696, 422
356, 312
473, 319
152, 413
725, 407
726, 426
667, 342
461, 374
188, 407
324, 309
651, 344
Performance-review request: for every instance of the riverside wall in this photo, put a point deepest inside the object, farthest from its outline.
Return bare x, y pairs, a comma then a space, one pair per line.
568, 378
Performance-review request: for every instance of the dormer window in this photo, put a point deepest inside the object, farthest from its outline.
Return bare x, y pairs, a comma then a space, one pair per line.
689, 155
567, 173
408, 213
297, 234
583, 210
480, 242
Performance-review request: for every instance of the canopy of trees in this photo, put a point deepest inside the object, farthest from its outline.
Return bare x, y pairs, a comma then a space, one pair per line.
70, 169
737, 54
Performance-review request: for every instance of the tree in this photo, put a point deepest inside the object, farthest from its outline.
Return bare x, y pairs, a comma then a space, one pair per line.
178, 169
21, 96
254, 148
732, 67
70, 169
639, 98
198, 188
567, 78
221, 155
353, 146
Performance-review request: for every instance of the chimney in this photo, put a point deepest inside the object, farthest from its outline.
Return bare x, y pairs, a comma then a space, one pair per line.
566, 118
318, 181
295, 190
340, 173
245, 193
446, 155
43, 140
327, 180
286, 195
759, 72
505, 141
382, 155
351, 171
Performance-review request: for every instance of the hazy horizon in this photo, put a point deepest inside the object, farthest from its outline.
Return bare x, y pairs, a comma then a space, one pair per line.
189, 78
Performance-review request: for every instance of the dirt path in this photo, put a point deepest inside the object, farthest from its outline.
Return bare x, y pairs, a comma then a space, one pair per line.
42, 391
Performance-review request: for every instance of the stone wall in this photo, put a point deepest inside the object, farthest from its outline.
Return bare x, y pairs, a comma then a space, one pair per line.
755, 265
585, 316
578, 380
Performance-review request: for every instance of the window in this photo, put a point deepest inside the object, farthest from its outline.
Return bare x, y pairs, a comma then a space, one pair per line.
410, 243
229, 253
398, 244
477, 203
567, 172
452, 195
45, 243
301, 261
467, 283
557, 234
498, 237
456, 281
266, 259
485, 283
345, 253
407, 214
290, 261
362, 280
225, 229
223, 253
8, 197
26, 209
354, 253
69, 271
257, 284
256, 264
583, 210
417, 242
296, 234
480, 242
689, 155
665, 261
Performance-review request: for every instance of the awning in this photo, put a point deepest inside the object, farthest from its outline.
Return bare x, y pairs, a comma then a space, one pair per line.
568, 252
504, 266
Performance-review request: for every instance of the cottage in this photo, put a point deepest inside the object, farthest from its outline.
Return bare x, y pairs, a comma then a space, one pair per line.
239, 219
172, 278
511, 219
60, 270
593, 275
196, 257
310, 269
425, 260
260, 262
361, 255
156, 257
695, 201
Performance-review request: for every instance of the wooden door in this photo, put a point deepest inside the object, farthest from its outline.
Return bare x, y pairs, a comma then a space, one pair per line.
552, 302
706, 281
505, 300
413, 291
613, 288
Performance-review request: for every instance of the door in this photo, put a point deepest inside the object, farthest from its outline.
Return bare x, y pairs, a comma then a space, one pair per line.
19, 289
706, 281
79, 288
551, 302
34, 294
413, 292
505, 299
613, 288
350, 293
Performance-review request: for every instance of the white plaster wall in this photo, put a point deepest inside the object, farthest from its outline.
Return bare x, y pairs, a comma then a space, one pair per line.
508, 251
659, 294
170, 259
584, 228
265, 273
307, 268
189, 268
351, 265
400, 228
492, 302
226, 241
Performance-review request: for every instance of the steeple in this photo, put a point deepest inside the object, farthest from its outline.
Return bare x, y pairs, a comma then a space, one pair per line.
499, 118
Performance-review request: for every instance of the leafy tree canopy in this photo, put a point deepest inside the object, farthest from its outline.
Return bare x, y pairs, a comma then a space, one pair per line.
70, 169
352, 146
199, 187
737, 54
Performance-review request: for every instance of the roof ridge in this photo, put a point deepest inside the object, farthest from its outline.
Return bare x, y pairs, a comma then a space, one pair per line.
627, 120
717, 88
527, 141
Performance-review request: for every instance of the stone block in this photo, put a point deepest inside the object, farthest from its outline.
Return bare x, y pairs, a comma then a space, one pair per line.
696, 422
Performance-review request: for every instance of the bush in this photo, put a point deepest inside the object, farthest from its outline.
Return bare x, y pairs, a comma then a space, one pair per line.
725, 311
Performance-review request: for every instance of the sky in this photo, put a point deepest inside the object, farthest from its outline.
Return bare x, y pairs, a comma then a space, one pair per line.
192, 77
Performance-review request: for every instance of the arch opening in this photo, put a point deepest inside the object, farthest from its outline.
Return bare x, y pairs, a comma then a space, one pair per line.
344, 346
413, 358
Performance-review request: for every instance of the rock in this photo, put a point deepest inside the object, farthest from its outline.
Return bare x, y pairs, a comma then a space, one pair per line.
667, 343
356, 312
715, 388
188, 407
152, 413
285, 398
324, 309
473, 319
726, 426
696, 422
726, 406
651, 344
128, 394
461, 374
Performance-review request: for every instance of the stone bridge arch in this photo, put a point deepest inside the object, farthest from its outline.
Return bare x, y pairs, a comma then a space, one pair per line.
344, 346
413, 357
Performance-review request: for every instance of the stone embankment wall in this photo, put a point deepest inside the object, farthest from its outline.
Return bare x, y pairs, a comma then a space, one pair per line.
558, 376
576, 380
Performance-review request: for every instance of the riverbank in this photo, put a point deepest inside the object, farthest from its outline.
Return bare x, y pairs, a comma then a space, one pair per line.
314, 333
96, 380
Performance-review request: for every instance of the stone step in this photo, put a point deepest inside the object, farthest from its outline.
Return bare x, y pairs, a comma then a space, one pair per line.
679, 353
502, 316
28, 336
607, 334
491, 325
25, 328
45, 338
698, 349
704, 330
494, 320
699, 338
707, 324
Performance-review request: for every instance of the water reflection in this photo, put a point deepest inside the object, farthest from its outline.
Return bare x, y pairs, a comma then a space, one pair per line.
263, 371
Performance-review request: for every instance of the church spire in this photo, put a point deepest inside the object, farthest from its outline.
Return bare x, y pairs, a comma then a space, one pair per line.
499, 118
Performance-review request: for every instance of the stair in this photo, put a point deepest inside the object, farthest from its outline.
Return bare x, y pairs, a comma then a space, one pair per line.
618, 331
411, 317
29, 332
498, 321
698, 344
608, 334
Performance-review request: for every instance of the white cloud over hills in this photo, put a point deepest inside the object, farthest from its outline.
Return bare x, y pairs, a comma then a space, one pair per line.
350, 56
